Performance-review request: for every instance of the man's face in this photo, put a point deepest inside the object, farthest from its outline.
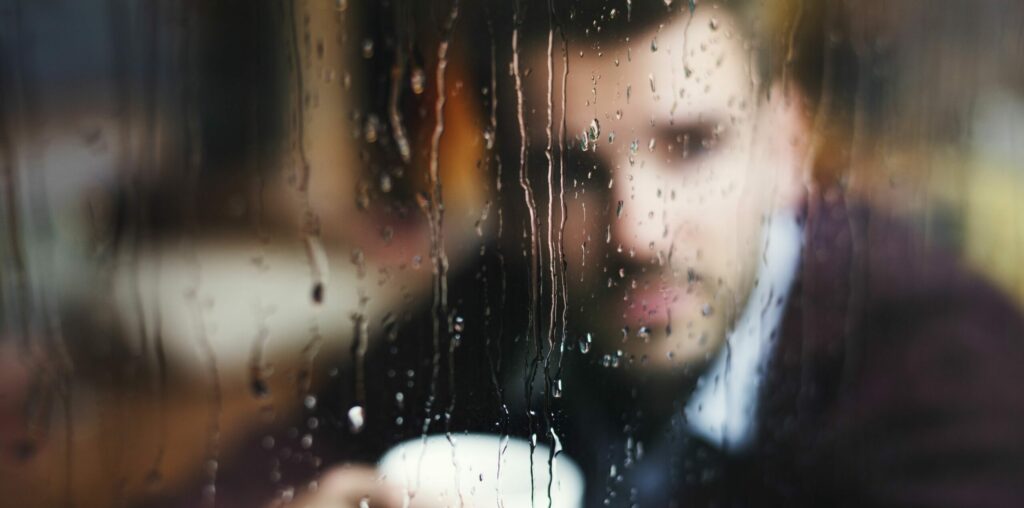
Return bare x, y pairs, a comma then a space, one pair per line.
689, 162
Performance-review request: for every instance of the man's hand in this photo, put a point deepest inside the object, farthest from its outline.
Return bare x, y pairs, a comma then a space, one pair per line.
351, 486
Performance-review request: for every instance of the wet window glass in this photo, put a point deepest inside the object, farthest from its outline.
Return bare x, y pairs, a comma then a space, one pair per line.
582, 253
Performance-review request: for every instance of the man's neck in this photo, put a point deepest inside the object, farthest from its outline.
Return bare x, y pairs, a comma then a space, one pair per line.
724, 404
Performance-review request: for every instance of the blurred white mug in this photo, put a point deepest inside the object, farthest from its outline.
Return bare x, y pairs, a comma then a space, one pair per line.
481, 470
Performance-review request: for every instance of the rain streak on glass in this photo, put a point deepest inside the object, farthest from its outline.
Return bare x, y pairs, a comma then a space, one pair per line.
521, 253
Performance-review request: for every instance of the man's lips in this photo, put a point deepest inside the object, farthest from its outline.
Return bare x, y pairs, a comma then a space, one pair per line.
650, 306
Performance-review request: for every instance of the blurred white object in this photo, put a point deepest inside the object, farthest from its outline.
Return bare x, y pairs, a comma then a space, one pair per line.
481, 470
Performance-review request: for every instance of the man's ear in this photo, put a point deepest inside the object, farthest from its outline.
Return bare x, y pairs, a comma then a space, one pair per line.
786, 133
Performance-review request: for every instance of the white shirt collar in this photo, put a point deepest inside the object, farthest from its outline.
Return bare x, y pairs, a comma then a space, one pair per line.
724, 405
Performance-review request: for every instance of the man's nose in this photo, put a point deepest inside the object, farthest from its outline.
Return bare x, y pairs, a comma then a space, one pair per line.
638, 217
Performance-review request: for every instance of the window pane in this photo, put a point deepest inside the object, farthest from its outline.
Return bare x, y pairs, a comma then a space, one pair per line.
495, 253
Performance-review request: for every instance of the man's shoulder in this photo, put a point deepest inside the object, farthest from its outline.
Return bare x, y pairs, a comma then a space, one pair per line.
880, 315
871, 268
892, 352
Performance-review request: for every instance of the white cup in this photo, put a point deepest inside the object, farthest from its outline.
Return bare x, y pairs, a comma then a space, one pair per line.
481, 470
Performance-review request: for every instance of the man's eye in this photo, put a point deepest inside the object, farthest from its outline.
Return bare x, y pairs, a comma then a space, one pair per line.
691, 142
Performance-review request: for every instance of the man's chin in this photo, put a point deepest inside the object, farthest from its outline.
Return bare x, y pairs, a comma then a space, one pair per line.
650, 355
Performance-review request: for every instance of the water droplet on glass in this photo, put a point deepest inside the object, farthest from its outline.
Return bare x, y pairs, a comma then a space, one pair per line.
650, 79
359, 260
390, 326
417, 79
594, 130
368, 48
372, 129
318, 292
618, 210
489, 138
356, 419
258, 385
644, 333
387, 233
654, 45
713, 23
588, 339
363, 197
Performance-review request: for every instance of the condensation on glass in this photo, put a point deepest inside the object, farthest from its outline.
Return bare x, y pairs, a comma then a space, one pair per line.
511, 253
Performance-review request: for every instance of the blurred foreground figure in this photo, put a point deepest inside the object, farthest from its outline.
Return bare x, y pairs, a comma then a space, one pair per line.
206, 219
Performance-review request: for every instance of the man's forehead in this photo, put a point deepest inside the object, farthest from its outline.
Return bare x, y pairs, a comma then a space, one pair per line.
675, 71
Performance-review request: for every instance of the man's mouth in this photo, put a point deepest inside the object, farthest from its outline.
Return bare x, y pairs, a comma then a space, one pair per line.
649, 308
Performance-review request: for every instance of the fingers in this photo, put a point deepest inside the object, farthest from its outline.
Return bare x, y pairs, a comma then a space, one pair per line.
353, 486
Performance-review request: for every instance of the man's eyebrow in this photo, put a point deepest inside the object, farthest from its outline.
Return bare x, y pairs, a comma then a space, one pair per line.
683, 116
683, 132
689, 125
687, 133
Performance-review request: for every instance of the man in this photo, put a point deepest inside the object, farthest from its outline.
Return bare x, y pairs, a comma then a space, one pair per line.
761, 336
750, 333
